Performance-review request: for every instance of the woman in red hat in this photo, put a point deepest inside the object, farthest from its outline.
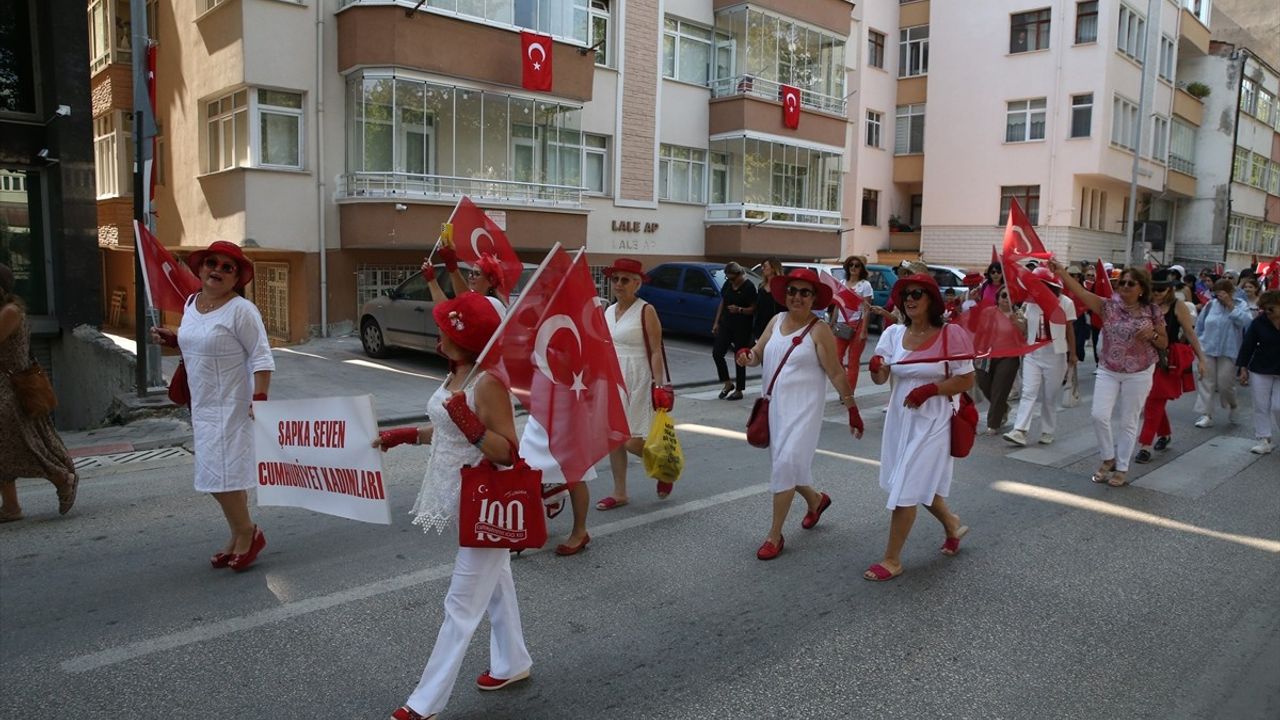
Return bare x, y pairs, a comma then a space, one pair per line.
485, 278
800, 351
915, 455
637, 338
229, 364
481, 426
849, 325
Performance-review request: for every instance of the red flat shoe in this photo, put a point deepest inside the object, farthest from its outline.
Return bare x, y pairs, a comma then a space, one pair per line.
220, 560
404, 712
664, 489
567, 549
879, 573
488, 682
812, 517
240, 563
951, 547
769, 551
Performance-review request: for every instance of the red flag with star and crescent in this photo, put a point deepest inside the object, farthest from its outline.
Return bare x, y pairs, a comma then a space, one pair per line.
790, 95
535, 59
473, 234
1020, 238
169, 282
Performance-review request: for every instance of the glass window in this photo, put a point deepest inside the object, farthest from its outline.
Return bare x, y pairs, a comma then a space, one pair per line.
595, 163
913, 51
874, 121
1087, 21
1240, 165
1168, 55
682, 174
1028, 197
1182, 148
908, 130
1258, 171
280, 128
113, 154
1124, 123
1081, 115
227, 128
1131, 36
875, 49
1266, 102
719, 178
1024, 120
1159, 138
696, 280
762, 179
22, 237
871, 208
666, 277
1248, 96
599, 36
1093, 208
1029, 31
17, 59
686, 52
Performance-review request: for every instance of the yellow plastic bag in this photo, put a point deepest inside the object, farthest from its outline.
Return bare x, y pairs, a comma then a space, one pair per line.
663, 458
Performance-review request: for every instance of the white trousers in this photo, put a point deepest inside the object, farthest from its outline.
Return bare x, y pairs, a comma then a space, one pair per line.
1219, 376
1266, 403
1042, 373
1128, 391
481, 581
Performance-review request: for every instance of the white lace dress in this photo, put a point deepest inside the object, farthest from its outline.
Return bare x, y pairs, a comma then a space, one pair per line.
628, 341
437, 504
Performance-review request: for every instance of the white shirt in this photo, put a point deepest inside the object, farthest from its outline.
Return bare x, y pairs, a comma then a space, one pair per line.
1057, 331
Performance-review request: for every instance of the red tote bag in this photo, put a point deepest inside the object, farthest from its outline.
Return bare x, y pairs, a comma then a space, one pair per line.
501, 507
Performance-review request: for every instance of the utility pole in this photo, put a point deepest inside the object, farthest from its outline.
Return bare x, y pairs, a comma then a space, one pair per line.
147, 372
1130, 236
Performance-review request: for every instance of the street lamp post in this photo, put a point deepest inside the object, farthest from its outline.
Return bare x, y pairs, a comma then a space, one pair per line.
1137, 140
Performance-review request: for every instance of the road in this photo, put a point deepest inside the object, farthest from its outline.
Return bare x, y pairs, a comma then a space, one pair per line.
1068, 600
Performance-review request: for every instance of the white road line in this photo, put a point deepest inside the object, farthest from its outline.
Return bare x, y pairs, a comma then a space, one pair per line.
388, 368
1202, 468
213, 630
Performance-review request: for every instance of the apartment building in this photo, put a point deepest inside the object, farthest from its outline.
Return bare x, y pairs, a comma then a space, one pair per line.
332, 137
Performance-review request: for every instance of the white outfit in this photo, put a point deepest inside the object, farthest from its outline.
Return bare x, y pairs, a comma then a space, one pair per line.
862, 289
481, 576
1220, 377
535, 448
795, 407
915, 454
1266, 403
633, 359
221, 350
1129, 391
1044, 368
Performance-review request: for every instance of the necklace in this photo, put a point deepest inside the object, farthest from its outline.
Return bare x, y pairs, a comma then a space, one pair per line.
205, 306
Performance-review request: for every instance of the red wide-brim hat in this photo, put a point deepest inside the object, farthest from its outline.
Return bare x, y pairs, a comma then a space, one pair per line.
627, 265
244, 267
926, 282
778, 287
468, 319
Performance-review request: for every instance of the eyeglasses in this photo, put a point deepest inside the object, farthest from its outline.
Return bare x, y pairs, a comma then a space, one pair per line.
1128, 283
223, 267
914, 294
1004, 296
997, 271
802, 292
620, 279
855, 265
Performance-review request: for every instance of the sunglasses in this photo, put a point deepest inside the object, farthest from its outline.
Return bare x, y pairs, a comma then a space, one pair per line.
223, 267
997, 271
914, 294
1128, 283
802, 292
620, 279
855, 265
1004, 296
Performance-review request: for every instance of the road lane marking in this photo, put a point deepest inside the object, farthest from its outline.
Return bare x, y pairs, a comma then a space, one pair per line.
742, 437
1202, 468
388, 368
291, 351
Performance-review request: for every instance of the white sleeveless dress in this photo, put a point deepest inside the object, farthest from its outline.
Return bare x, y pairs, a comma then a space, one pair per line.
795, 408
628, 341
437, 505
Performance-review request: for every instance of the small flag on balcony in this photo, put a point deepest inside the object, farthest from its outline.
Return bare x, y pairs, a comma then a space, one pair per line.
535, 57
790, 106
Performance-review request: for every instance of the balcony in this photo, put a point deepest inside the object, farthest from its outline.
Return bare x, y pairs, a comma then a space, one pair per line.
832, 15
1193, 33
402, 185
759, 181
752, 114
908, 169
1188, 107
772, 90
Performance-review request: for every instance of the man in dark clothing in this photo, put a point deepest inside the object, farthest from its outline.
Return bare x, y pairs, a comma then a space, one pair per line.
766, 306
732, 326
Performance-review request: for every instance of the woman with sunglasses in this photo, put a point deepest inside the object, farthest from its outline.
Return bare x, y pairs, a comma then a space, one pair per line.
1220, 326
995, 376
799, 396
229, 364
637, 338
1132, 333
486, 278
915, 453
1172, 374
1258, 366
994, 282
850, 326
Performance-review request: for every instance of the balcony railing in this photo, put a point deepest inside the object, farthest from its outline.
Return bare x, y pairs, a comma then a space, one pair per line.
772, 90
385, 185
1182, 165
754, 213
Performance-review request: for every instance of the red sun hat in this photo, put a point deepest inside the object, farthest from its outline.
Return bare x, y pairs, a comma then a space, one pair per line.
1047, 276
778, 287
927, 282
491, 268
468, 319
244, 267
627, 265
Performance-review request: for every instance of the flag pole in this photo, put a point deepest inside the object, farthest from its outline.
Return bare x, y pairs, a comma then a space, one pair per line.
440, 237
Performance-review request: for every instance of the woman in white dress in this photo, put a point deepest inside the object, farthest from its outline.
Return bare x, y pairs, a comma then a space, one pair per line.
915, 455
481, 426
799, 396
637, 338
229, 364
850, 350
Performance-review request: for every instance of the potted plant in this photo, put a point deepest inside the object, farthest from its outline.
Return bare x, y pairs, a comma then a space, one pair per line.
1198, 90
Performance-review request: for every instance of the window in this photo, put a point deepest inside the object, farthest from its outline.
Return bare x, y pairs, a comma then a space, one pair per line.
228, 132
696, 281
754, 51
1168, 55
1029, 31
1124, 123
1267, 243
1258, 171
682, 174
908, 130
1093, 208
754, 178
1024, 120
1235, 234
280, 128
113, 154
1028, 197
12, 182
871, 208
875, 49
562, 19
1273, 179
913, 51
599, 35
18, 69
686, 52
1081, 115
1131, 38
595, 164
1182, 148
110, 37
666, 277
1240, 165
1266, 102
1248, 96
1087, 22
1159, 138
874, 121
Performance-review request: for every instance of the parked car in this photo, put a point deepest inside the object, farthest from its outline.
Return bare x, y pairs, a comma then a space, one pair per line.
686, 295
402, 317
948, 276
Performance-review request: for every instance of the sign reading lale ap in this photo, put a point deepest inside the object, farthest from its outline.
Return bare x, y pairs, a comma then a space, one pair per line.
634, 226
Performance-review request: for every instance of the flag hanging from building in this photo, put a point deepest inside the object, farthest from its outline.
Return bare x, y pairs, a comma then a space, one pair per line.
169, 282
473, 234
790, 96
535, 58
1020, 239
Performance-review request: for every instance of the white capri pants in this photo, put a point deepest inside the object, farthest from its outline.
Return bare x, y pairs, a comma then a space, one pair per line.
1219, 376
481, 581
1042, 373
1266, 403
1128, 391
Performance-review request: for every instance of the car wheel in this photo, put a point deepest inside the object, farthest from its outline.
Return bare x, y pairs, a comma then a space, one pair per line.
371, 337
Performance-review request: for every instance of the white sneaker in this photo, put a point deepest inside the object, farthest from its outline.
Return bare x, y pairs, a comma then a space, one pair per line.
1204, 422
1046, 439
1262, 448
1017, 437
1231, 416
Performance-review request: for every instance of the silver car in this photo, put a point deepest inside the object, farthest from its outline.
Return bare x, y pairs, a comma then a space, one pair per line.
402, 317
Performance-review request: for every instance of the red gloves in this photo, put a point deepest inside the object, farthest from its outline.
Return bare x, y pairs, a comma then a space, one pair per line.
663, 397
168, 338
398, 436
259, 396
465, 418
876, 363
741, 356
855, 419
916, 397
428, 271
449, 257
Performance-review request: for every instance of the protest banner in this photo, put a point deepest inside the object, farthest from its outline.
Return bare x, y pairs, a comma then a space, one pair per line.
316, 454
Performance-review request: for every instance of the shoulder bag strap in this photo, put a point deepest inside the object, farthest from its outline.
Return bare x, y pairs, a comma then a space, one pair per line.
666, 366
787, 354
946, 365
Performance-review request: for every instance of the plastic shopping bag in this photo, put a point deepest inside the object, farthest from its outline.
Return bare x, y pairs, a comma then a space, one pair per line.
663, 458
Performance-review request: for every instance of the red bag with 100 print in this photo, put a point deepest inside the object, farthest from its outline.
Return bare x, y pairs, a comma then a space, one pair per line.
501, 507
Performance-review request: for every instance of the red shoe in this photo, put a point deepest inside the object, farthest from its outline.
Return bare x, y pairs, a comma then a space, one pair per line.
769, 551
404, 712
220, 560
567, 549
811, 518
240, 563
489, 682
664, 489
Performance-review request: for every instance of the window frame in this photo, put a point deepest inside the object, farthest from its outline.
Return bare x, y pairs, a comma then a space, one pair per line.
1082, 15
1167, 60
1127, 141
874, 125
1024, 198
872, 195
1131, 33
1160, 139
907, 45
697, 157
908, 112
1248, 96
875, 49
1028, 114
1077, 106
600, 10
113, 150
257, 109
606, 171
1040, 21
678, 36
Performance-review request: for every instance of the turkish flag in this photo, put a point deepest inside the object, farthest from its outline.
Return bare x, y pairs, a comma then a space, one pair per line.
1101, 288
1269, 274
1024, 286
790, 96
151, 94
535, 60
1020, 239
169, 282
474, 234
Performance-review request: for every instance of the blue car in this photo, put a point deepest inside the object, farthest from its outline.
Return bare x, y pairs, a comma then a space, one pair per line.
882, 278
686, 295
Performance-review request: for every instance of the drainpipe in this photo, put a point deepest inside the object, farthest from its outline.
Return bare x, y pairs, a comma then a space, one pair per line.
321, 193
1130, 236
1235, 140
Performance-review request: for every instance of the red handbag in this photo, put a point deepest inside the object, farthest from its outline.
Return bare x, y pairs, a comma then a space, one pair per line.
501, 507
179, 390
964, 421
758, 421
